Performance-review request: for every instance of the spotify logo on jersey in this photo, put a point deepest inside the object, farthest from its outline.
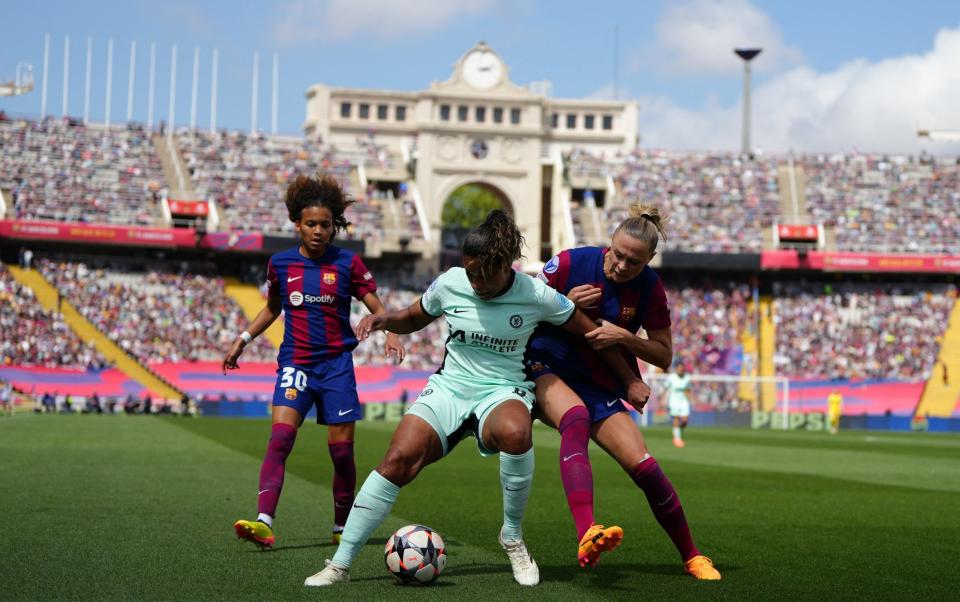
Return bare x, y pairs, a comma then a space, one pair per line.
296, 298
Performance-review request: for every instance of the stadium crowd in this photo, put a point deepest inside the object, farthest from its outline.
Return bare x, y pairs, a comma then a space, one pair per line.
64, 171
247, 176
853, 330
32, 336
424, 348
886, 203
156, 316
717, 203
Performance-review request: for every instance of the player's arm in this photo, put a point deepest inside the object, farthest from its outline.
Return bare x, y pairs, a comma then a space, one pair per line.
263, 320
637, 391
393, 345
656, 349
402, 321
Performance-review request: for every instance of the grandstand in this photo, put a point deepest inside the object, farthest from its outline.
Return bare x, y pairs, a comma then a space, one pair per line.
802, 267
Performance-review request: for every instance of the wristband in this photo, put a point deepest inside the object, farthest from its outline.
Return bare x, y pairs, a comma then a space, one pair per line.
246, 336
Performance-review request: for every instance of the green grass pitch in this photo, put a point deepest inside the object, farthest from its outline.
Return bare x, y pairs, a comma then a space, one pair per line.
120, 508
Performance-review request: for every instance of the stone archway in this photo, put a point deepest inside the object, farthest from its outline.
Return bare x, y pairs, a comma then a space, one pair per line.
463, 208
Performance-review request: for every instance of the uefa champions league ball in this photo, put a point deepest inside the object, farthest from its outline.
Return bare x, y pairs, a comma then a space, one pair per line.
415, 555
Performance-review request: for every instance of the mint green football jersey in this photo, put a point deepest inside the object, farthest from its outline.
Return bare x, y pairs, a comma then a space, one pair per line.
488, 337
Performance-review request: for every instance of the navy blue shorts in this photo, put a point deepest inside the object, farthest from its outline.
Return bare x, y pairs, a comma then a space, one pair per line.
600, 402
330, 384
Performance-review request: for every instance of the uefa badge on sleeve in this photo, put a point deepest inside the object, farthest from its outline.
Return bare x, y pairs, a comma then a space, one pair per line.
290, 394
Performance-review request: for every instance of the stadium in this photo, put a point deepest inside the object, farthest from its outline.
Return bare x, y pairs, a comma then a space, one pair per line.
134, 253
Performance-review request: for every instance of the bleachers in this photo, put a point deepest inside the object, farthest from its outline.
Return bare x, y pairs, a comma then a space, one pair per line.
247, 176
57, 170
33, 336
879, 203
854, 330
717, 203
157, 317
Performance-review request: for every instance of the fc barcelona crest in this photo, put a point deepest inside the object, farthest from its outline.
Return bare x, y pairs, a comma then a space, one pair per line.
329, 277
627, 313
290, 394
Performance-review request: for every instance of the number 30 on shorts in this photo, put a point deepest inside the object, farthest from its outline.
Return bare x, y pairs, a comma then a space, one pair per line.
292, 377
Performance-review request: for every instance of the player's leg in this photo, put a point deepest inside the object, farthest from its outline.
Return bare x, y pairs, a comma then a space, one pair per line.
619, 437
677, 432
340, 444
560, 407
340, 409
283, 434
415, 444
506, 428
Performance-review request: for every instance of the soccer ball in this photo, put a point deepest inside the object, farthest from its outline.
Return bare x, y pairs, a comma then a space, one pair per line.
415, 554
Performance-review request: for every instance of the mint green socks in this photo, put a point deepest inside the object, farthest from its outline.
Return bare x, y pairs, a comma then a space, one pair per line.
370, 508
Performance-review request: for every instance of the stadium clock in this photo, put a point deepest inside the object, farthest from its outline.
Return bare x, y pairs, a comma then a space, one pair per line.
482, 69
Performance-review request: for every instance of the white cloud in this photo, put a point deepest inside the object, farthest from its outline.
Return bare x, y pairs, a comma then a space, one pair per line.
698, 36
870, 106
321, 20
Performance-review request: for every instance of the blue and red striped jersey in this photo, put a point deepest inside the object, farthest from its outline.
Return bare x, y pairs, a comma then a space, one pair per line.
639, 303
315, 295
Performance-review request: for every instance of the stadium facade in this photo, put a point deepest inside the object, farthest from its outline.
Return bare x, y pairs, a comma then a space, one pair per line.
478, 127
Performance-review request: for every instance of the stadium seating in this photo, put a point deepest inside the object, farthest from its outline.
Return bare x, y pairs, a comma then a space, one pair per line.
59, 170
248, 176
157, 317
32, 336
860, 331
886, 204
717, 203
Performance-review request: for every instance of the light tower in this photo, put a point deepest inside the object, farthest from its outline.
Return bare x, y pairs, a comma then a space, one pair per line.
747, 54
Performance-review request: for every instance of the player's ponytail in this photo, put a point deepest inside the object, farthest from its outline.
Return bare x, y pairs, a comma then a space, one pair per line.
321, 190
496, 242
645, 224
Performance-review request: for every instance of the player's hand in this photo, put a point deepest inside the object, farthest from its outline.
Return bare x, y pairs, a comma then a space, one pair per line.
638, 393
230, 361
605, 336
394, 347
368, 324
585, 296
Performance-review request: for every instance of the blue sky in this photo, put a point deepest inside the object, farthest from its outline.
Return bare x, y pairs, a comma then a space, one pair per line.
833, 75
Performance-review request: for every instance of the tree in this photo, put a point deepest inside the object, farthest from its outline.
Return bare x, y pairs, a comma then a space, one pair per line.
468, 206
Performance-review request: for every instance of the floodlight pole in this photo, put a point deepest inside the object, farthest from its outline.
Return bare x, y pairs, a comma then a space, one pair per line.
747, 54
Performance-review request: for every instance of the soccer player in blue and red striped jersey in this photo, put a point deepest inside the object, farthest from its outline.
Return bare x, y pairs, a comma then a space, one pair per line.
577, 394
312, 284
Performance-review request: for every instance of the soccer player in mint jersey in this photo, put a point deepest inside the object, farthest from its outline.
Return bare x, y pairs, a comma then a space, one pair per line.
480, 389
678, 405
577, 394
312, 284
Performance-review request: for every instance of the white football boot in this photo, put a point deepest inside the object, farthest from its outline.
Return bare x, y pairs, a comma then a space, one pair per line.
525, 570
330, 575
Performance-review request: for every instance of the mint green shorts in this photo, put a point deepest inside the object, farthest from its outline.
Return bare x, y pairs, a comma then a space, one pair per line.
455, 407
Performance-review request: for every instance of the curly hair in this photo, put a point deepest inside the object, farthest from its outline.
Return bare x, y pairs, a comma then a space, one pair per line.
321, 190
497, 242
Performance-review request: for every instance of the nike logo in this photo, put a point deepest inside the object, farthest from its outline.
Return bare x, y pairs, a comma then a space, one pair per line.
262, 491
459, 311
343, 412
610, 403
355, 505
565, 458
666, 500
294, 278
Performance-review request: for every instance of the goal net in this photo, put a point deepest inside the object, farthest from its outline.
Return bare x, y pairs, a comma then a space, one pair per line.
727, 400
